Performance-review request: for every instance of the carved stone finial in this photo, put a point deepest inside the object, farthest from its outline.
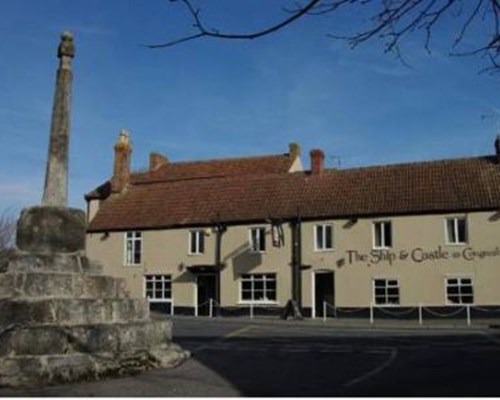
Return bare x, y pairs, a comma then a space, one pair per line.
66, 47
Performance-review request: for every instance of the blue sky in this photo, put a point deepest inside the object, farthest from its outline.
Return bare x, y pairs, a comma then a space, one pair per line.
209, 99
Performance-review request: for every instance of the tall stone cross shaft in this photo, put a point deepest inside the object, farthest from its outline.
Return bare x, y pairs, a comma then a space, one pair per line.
56, 177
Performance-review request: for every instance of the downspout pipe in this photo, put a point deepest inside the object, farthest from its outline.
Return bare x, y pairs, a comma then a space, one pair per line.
296, 226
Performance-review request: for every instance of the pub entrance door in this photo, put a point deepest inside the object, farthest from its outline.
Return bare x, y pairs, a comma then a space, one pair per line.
206, 290
324, 291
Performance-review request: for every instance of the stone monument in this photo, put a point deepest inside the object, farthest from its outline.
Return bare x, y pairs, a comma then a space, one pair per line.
61, 319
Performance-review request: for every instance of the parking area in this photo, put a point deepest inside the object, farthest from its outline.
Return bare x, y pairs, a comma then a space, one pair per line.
271, 357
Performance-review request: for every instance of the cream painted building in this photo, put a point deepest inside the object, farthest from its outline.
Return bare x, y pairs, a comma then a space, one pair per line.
256, 232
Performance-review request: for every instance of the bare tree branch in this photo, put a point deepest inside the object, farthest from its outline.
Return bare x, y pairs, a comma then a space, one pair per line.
204, 32
390, 21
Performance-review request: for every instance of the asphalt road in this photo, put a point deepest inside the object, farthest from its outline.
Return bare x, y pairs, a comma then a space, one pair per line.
239, 357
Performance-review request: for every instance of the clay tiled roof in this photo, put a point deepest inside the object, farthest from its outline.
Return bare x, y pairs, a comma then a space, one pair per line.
280, 163
428, 187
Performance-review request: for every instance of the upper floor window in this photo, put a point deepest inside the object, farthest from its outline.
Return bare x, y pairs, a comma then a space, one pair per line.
323, 237
133, 248
196, 242
386, 291
382, 235
158, 287
258, 240
456, 230
459, 290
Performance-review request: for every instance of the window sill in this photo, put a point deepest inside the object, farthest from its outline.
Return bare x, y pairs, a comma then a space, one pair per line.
382, 248
159, 300
133, 265
195, 254
458, 244
258, 303
324, 250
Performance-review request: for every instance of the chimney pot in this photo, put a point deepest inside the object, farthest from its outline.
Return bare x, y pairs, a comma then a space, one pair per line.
294, 150
317, 161
121, 164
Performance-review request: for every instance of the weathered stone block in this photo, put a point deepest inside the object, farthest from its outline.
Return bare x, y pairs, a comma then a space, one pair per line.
26, 262
70, 311
51, 229
95, 311
7, 288
100, 287
98, 338
70, 367
91, 266
33, 341
130, 310
43, 284
21, 371
26, 312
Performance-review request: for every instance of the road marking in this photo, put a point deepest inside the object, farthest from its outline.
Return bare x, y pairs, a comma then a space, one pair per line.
491, 338
392, 356
238, 332
222, 338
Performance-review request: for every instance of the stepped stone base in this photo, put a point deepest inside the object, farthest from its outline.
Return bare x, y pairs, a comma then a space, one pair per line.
25, 371
62, 320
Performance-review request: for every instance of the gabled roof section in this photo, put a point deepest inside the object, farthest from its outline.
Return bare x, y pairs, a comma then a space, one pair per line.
208, 169
445, 186
217, 168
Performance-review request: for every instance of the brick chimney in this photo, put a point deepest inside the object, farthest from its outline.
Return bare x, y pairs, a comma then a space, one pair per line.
497, 148
156, 160
317, 159
121, 165
294, 150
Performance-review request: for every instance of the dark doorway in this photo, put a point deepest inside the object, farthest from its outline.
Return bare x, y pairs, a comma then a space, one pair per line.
207, 289
324, 289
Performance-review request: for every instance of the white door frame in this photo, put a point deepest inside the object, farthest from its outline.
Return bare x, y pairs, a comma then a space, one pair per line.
196, 288
313, 291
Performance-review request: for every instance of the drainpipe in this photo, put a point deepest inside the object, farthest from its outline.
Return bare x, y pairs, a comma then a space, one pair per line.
219, 231
296, 267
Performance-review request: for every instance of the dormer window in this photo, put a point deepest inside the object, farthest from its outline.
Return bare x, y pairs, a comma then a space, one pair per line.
456, 230
382, 235
196, 242
258, 240
323, 237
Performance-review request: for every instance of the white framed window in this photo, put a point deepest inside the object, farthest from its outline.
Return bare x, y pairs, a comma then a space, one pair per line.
386, 291
258, 288
456, 230
133, 248
323, 237
459, 290
258, 240
382, 235
158, 288
196, 242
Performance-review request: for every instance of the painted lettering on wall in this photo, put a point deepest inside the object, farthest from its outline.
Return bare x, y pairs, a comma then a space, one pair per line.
420, 255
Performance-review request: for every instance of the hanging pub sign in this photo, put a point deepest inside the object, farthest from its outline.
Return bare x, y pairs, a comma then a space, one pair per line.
420, 255
277, 235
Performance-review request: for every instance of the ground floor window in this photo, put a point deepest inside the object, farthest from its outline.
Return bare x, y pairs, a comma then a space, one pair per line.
386, 291
459, 290
259, 288
158, 288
